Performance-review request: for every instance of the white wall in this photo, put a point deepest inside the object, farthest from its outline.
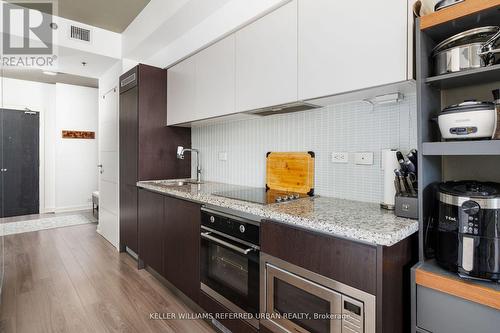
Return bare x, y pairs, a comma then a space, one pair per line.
149, 20
103, 42
108, 151
350, 127
20, 94
67, 168
76, 159
168, 31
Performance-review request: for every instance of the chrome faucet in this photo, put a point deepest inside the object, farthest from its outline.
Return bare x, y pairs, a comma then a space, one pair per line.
180, 155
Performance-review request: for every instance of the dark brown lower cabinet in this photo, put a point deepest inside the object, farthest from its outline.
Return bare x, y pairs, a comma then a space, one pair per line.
352, 263
264, 329
378, 270
151, 229
169, 239
182, 246
128, 218
213, 307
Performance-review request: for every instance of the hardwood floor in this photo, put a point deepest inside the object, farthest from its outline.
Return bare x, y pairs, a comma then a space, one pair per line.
72, 280
23, 218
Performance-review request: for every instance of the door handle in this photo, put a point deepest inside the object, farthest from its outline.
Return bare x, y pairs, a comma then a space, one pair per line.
238, 249
101, 170
3, 170
468, 253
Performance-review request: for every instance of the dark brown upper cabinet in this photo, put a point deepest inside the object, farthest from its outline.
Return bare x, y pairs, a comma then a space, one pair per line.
147, 146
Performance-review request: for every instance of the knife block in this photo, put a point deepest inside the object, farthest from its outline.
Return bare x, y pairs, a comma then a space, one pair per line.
406, 206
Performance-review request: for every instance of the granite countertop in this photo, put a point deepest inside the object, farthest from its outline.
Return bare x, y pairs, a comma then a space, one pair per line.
354, 220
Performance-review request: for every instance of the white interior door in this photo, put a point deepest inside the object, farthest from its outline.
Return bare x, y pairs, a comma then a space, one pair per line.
108, 171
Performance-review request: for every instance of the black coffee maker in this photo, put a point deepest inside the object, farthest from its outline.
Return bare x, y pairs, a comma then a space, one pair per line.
468, 229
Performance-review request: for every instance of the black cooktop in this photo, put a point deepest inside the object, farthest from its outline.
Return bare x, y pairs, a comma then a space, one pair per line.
260, 195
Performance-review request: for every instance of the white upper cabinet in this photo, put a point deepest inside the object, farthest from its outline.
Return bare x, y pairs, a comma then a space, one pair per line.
181, 92
215, 80
306, 49
266, 60
350, 45
202, 86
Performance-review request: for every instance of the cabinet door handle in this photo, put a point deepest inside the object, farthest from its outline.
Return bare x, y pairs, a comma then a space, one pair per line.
238, 249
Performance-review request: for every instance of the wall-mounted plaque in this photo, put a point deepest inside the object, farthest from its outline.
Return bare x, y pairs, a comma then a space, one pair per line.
78, 134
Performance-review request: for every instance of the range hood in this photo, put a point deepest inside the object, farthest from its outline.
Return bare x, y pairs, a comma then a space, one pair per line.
284, 108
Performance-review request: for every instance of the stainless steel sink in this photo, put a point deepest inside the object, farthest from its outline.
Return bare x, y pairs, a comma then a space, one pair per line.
180, 183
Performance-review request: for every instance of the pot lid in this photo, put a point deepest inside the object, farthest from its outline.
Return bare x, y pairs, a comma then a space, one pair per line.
471, 189
467, 106
445, 3
481, 35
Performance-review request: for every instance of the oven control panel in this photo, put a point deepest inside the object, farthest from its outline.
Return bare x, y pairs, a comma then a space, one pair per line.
352, 315
469, 222
234, 226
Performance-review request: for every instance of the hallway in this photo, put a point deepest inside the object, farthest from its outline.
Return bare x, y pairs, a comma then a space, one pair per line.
72, 280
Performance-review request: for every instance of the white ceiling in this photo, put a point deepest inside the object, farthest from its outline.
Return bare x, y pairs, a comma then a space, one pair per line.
70, 61
112, 15
173, 18
167, 31
69, 67
36, 75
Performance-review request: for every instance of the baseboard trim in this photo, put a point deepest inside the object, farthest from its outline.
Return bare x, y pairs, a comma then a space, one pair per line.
72, 209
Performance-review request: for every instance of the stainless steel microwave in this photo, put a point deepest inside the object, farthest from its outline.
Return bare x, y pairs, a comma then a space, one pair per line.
295, 300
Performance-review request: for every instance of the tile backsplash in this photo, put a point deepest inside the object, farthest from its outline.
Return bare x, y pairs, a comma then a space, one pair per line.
350, 127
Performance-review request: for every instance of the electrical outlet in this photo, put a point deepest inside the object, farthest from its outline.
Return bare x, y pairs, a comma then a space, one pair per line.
364, 158
222, 156
340, 157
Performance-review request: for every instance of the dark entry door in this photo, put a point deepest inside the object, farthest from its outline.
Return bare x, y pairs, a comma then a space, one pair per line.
20, 162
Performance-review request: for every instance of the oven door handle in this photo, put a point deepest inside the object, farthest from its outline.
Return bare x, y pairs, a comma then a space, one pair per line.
207, 235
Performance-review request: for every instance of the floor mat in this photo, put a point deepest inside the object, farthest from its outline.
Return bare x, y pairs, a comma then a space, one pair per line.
44, 223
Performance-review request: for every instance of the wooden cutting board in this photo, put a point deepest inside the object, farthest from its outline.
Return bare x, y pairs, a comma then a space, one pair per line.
290, 172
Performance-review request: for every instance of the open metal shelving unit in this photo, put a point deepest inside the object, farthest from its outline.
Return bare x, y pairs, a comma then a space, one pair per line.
430, 92
480, 148
432, 95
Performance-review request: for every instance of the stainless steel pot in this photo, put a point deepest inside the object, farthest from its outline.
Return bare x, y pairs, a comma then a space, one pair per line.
446, 3
467, 50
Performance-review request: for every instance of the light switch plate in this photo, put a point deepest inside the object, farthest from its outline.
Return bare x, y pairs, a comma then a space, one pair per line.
222, 156
340, 157
363, 158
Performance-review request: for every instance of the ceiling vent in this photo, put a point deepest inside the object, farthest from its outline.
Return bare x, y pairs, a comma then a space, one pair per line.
80, 33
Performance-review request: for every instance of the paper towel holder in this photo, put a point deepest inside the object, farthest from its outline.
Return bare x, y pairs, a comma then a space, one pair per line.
388, 163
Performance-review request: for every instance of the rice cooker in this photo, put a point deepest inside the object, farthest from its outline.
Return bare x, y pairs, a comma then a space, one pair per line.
468, 120
468, 229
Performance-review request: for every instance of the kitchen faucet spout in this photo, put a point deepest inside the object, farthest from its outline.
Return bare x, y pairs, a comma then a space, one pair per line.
180, 155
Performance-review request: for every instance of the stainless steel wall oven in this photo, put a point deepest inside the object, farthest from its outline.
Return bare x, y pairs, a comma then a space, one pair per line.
230, 261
